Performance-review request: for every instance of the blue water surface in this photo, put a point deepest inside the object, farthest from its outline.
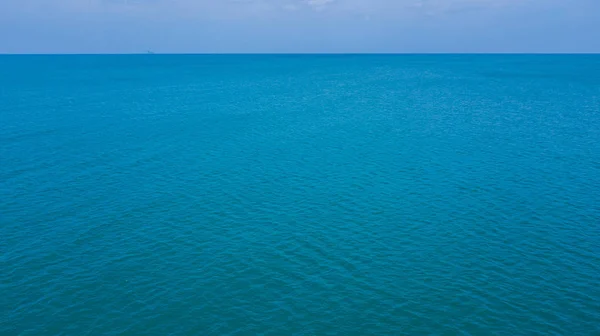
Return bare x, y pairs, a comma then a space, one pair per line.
300, 195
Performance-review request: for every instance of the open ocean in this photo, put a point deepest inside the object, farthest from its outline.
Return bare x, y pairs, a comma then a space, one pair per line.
300, 195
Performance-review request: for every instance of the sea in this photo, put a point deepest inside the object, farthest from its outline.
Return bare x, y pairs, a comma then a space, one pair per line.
300, 195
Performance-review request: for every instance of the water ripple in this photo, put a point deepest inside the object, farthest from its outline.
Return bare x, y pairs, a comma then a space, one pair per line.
277, 195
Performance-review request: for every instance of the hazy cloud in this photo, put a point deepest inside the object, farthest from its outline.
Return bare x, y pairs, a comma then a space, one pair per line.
28, 6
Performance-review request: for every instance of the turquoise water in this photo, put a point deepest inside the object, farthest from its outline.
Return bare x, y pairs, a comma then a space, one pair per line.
300, 195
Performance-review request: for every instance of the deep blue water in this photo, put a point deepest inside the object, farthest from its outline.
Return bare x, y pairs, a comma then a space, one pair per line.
300, 195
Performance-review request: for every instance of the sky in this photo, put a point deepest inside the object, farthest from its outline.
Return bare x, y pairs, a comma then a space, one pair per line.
300, 26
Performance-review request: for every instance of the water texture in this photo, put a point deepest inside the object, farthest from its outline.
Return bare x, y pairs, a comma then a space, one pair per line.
300, 195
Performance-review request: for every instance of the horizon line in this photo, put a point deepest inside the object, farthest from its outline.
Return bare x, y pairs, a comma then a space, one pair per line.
293, 53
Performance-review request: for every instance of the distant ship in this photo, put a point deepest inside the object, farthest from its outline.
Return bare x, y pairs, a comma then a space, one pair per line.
150, 52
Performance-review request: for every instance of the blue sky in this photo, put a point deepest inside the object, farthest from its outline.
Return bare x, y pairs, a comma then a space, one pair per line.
201, 26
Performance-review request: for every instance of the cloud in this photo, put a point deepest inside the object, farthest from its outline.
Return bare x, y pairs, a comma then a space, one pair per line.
252, 6
285, 12
318, 4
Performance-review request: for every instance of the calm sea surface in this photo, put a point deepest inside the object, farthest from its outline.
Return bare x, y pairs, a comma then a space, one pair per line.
300, 195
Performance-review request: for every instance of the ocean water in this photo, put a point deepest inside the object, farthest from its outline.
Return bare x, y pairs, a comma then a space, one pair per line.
300, 195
